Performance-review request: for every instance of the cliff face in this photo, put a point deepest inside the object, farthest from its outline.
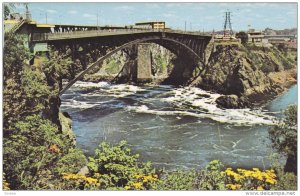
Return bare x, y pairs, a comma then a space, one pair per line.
121, 67
234, 69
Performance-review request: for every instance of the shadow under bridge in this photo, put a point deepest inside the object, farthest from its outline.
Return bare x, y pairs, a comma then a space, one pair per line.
191, 45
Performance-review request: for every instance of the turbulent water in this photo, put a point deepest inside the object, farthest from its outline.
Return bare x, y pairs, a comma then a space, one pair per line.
173, 127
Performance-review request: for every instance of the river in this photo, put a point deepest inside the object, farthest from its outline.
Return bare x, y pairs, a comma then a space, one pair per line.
173, 127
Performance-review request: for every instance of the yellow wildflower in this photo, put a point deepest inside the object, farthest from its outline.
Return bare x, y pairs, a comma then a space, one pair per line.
271, 181
233, 186
255, 169
260, 188
138, 185
91, 180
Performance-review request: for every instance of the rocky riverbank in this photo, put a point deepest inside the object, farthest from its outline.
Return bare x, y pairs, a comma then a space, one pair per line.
247, 75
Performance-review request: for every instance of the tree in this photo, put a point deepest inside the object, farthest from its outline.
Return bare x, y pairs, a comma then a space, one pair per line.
25, 89
284, 138
35, 151
56, 68
6, 11
243, 36
36, 154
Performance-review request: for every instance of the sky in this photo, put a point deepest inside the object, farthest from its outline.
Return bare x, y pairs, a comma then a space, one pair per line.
196, 16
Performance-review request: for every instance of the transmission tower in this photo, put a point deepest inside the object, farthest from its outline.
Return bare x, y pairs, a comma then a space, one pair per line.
227, 24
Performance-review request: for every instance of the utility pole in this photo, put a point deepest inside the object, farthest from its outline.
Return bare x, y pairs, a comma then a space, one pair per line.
190, 26
184, 26
46, 18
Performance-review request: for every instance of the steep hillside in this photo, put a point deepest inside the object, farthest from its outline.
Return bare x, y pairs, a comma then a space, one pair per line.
241, 71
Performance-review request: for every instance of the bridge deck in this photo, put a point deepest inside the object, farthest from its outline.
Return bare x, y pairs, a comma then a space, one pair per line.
103, 33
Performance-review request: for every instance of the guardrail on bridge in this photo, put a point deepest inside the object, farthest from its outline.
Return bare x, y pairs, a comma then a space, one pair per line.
95, 33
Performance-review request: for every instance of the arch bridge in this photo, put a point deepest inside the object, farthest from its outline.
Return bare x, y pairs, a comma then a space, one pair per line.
104, 43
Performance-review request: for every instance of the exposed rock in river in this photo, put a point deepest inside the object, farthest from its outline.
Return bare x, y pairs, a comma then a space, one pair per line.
232, 102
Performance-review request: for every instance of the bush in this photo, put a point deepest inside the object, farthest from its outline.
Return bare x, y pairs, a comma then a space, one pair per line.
71, 162
114, 168
286, 181
211, 178
284, 138
243, 36
178, 180
31, 153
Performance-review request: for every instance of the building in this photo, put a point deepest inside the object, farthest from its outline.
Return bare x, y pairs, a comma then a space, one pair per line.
255, 36
150, 25
280, 38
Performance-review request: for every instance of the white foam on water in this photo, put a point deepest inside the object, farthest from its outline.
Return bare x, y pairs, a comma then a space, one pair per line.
187, 101
123, 90
119, 90
91, 84
204, 106
79, 104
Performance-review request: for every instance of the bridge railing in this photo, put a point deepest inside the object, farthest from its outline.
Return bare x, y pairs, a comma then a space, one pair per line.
95, 33
90, 33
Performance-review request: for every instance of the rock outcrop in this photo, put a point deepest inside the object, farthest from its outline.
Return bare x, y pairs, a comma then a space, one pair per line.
232, 102
235, 70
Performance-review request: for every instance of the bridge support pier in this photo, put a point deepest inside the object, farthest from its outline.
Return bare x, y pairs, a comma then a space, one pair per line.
144, 63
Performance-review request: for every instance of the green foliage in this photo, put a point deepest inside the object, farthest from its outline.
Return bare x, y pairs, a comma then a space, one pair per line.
286, 181
35, 89
27, 153
35, 152
56, 68
243, 36
269, 59
211, 178
14, 56
25, 90
178, 180
284, 137
162, 65
117, 166
71, 162
113, 67
6, 11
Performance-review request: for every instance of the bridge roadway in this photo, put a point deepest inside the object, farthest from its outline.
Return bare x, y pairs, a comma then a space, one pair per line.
41, 37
